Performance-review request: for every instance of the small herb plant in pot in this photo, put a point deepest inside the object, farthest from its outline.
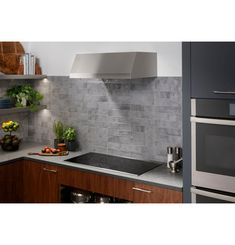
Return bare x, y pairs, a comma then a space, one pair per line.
70, 138
25, 95
58, 129
10, 142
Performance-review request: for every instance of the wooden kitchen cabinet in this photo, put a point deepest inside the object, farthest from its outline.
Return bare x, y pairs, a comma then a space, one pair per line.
98, 183
11, 182
74, 178
86, 181
102, 184
143, 193
123, 189
36, 182
40, 183
117, 187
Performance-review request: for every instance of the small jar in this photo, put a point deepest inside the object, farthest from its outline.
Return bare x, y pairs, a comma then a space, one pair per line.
62, 147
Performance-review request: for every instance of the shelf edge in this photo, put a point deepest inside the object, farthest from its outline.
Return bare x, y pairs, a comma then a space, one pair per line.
14, 110
22, 77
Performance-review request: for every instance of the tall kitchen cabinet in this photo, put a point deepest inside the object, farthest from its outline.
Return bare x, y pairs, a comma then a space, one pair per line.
208, 72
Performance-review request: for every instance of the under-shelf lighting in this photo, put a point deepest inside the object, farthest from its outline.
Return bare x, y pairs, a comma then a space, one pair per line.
45, 80
45, 112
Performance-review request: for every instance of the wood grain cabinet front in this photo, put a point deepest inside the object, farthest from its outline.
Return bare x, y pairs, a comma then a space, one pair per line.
11, 184
86, 181
40, 183
36, 182
123, 189
74, 178
117, 187
152, 194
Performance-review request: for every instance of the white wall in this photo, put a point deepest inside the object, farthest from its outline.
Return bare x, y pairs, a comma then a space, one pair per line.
56, 58
25, 46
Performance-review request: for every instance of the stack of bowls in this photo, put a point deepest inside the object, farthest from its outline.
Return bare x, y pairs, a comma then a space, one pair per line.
79, 196
5, 103
102, 199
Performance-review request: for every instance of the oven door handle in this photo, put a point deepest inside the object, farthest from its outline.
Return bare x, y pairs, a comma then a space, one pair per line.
212, 121
224, 92
213, 195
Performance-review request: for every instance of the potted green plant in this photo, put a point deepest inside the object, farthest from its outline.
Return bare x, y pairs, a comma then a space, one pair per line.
70, 138
25, 95
58, 129
10, 142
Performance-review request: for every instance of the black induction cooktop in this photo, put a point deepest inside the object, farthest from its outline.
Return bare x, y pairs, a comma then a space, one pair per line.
126, 165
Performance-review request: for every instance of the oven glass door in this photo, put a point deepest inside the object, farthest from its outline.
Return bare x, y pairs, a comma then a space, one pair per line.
209, 196
214, 148
205, 199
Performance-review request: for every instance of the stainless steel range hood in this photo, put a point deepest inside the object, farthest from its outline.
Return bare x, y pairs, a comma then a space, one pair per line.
123, 65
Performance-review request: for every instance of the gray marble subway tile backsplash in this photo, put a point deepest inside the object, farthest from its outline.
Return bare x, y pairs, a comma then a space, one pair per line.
131, 118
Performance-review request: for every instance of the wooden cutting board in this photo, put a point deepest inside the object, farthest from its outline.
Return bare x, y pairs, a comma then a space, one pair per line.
10, 53
62, 153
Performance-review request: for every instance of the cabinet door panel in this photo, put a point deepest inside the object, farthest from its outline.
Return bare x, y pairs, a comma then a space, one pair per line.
86, 181
74, 178
102, 184
153, 194
40, 183
49, 188
11, 185
123, 189
31, 182
212, 69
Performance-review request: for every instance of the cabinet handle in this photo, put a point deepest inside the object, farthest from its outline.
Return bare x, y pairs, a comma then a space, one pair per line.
50, 170
141, 190
224, 92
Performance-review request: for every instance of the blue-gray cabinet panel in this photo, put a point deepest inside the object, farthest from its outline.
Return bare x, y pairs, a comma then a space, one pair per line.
212, 69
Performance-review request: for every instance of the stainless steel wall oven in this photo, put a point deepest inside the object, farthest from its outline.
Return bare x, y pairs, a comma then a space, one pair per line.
213, 149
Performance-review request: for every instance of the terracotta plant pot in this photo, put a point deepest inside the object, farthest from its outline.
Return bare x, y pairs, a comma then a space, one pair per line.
56, 142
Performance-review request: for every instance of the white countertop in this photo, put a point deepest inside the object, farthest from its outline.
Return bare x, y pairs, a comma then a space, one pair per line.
160, 176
